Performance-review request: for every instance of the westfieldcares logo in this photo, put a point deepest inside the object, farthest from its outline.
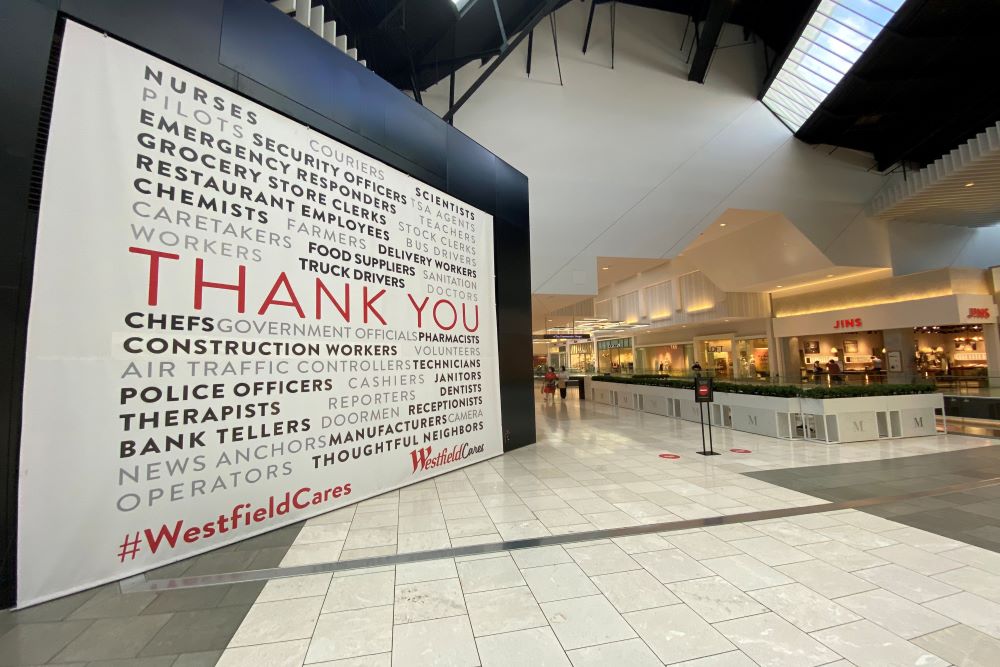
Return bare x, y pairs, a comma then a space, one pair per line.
424, 458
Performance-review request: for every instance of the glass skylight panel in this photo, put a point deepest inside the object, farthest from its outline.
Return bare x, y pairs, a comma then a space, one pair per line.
460, 4
838, 32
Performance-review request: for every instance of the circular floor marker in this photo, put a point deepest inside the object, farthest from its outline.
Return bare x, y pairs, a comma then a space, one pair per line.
740, 451
669, 456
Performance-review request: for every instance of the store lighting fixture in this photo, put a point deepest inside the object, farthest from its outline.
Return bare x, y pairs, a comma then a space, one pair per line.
837, 34
829, 275
780, 286
605, 268
722, 224
970, 184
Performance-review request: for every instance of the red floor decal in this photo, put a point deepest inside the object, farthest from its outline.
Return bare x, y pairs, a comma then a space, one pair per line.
740, 451
669, 456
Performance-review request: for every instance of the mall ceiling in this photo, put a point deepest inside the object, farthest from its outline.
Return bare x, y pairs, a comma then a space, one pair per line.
924, 86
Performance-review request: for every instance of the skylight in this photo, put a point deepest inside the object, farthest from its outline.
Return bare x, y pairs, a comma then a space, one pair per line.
460, 4
836, 36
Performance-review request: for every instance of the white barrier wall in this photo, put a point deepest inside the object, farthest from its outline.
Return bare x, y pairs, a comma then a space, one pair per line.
829, 420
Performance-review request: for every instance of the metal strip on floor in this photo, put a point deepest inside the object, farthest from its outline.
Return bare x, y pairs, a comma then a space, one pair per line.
141, 584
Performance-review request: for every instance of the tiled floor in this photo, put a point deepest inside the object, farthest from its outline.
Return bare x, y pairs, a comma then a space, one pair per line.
834, 588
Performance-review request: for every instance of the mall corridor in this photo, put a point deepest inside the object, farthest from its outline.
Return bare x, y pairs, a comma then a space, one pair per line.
889, 583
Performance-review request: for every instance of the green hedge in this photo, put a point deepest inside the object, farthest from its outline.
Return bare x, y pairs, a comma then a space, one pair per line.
779, 390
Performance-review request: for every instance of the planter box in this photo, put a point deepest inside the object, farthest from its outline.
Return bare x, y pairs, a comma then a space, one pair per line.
827, 420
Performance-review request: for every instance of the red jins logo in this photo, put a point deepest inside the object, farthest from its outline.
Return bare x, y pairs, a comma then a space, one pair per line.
979, 313
423, 460
847, 324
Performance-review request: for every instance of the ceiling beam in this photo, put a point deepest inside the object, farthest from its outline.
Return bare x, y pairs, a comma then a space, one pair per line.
543, 11
718, 14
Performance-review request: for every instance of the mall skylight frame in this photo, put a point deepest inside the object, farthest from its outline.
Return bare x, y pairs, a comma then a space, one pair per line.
837, 35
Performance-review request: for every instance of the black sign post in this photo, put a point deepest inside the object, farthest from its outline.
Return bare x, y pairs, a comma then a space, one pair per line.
703, 393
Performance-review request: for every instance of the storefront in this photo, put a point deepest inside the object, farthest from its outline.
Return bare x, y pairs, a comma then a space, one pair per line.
940, 337
615, 356
581, 357
717, 356
752, 358
675, 358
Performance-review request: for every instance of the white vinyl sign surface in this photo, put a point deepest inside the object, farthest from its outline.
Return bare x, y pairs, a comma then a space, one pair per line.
236, 323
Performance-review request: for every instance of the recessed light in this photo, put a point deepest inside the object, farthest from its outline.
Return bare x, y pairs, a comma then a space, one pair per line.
970, 184
829, 275
780, 286
722, 224
605, 268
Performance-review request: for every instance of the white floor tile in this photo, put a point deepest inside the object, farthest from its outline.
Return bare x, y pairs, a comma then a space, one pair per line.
634, 591
672, 565
735, 531
429, 570
331, 532
631, 652
715, 599
634, 544
586, 621
867, 645
972, 610
746, 572
374, 660
922, 539
539, 556
842, 555
702, 545
442, 642
279, 621
287, 588
825, 579
977, 557
360, 591
803, 607
428, 600
537, 647
601, 559
488, 574
558, 582
972, 579
425, 541
521, 530
791, 534
281, 654
370, 537
857, 537
961, 645
918, 560
907, 583
492, 612
676, 633
770, 551
895, 614
729, 659
773, 642
312, 554
349, 634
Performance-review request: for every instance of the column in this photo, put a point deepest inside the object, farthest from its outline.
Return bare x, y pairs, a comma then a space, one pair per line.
991, 336
775, 354
901, 341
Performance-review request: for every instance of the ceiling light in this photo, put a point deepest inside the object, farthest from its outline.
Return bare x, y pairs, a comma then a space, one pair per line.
838, 32
722, 224
970, 184
605, 268
780, 286
829, 275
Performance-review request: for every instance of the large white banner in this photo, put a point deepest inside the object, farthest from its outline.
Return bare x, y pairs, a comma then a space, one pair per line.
236, 323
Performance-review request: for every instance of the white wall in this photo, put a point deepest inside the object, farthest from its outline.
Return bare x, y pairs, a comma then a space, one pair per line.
637, 161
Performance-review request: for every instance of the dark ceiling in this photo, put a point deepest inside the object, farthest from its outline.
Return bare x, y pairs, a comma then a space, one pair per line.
925, 85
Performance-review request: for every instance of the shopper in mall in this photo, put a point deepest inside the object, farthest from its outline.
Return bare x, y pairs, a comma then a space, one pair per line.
562, 377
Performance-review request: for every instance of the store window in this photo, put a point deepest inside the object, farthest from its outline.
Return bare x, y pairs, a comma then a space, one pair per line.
581, 357
675, 359
615, 356
718, 357
752, 361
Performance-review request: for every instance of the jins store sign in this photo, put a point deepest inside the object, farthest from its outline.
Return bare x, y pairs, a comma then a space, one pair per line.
236, 323
852, 323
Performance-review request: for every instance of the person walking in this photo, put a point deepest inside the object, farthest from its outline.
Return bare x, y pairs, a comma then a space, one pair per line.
549, 385
562, 378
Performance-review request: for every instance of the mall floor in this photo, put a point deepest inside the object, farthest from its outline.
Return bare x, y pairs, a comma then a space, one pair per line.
900, 565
